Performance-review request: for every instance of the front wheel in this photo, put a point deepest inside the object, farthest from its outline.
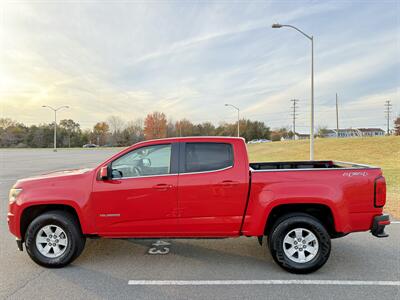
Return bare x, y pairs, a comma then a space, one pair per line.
299, 243
54, 239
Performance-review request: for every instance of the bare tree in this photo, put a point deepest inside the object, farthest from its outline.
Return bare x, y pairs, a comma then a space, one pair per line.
116, 126
6, 122
134, 132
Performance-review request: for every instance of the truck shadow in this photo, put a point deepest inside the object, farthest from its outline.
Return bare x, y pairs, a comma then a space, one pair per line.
228, 256
211, 254
109, 264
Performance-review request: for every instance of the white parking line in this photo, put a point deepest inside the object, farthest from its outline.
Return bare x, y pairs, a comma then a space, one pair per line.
394, 222
263, 282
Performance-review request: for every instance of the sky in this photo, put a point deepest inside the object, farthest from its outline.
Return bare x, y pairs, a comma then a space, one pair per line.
188, 58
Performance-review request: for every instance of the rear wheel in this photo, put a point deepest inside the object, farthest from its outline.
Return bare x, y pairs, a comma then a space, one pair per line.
299, 243
54, 239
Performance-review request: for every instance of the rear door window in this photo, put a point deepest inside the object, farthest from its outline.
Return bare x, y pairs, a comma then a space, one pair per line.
202, 157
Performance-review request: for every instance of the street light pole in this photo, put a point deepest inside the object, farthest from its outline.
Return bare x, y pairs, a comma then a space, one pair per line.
55, 131
311, 38
312, 101
238, 114
55, 122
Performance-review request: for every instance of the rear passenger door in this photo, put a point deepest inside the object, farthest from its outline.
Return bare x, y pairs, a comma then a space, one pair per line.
212, 190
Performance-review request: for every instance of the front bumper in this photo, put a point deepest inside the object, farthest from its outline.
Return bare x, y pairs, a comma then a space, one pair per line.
378, 226
12, 224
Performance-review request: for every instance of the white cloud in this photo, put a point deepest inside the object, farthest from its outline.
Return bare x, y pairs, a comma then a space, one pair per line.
188, 60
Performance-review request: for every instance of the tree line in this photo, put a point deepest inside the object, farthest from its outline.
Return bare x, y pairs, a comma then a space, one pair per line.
116, 131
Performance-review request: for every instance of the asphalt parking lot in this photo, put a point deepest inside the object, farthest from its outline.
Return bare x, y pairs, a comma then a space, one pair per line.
104, 269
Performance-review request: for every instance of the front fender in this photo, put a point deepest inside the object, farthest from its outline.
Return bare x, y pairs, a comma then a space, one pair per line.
71, 191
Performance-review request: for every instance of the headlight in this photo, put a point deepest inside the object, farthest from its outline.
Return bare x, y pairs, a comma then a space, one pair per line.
14, 194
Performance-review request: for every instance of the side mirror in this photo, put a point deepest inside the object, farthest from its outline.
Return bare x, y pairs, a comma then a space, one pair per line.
103, 174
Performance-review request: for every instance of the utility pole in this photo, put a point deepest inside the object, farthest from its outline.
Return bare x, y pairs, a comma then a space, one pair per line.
294, 115
388, 110
337, 117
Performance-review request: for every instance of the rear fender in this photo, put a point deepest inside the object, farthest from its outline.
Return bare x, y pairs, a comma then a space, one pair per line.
262, 203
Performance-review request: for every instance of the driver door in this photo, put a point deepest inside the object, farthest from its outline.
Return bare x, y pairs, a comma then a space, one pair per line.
140, 200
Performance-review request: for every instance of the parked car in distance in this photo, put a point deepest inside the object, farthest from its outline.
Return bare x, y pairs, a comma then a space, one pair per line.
258, 141
199, 187
264, 141
253, 142
90, 146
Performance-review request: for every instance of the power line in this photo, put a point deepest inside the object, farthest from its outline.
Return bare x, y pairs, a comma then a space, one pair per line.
388, 110
294, 115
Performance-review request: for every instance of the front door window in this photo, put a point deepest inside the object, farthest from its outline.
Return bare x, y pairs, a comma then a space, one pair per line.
145, 161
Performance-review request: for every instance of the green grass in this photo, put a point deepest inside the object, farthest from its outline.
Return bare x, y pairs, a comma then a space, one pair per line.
377, 151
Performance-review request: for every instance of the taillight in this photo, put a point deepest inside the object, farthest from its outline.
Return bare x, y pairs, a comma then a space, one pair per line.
380, 191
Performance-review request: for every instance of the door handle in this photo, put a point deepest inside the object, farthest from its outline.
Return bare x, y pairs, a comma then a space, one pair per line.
229, 183
162, 186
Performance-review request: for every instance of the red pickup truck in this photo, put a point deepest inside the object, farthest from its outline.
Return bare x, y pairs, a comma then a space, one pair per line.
198, 187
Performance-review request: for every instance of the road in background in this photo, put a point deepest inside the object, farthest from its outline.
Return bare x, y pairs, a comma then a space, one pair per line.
105, 267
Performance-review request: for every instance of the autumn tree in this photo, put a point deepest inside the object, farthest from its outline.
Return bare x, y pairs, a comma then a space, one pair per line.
155, 126
100, 132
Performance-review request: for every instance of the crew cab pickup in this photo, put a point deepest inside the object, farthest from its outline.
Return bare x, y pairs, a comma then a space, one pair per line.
198, 187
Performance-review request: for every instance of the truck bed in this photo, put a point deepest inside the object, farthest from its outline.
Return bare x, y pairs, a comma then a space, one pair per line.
289, 165
348, 190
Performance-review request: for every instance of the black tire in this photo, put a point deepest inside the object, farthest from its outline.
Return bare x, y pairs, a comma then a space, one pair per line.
286, 224
67, 222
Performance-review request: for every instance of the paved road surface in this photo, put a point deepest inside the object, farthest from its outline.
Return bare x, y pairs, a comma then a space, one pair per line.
106, 266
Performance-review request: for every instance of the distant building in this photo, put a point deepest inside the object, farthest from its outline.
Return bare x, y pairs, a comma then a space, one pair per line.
348, 132
371, 131
354, 132
342, 133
